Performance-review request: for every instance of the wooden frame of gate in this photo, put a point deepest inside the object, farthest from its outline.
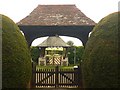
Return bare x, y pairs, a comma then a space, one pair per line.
56, 78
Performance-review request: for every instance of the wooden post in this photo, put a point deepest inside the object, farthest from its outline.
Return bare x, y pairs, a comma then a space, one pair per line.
76, 75
79, 77
56, 76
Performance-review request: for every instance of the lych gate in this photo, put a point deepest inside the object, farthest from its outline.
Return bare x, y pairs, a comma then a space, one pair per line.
53, 51
51, 20
63, 20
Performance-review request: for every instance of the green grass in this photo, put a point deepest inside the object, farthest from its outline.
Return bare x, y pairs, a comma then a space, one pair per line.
53, 67
45, 67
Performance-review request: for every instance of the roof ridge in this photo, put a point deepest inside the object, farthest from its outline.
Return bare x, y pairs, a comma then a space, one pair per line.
53, 41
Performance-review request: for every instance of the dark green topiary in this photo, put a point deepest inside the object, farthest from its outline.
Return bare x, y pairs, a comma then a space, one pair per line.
100, 59
16, 60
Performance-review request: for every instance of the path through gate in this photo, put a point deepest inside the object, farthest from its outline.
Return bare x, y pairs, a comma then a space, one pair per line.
57, 78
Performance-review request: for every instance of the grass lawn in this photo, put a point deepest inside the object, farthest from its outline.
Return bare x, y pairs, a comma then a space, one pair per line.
53, 67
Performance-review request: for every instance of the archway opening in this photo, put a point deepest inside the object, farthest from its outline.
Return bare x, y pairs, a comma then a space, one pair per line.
89, 34
74, 53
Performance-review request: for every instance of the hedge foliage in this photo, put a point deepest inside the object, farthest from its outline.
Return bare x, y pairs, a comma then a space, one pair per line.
35, 53
100, 59
16, 60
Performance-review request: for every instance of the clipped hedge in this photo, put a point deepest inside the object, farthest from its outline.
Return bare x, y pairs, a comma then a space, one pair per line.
100, 59
16, 60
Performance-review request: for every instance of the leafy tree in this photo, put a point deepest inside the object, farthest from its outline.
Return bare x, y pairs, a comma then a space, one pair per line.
75, 51
79, 53
35, 53
71, 43
71, 55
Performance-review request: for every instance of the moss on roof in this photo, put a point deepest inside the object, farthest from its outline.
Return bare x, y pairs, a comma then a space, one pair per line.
56, 15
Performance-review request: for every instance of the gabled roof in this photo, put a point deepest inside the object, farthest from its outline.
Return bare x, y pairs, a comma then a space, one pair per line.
53, 41
56, 15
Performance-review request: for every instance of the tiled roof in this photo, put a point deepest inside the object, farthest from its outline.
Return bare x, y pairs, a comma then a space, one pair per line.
53, 41
56, 15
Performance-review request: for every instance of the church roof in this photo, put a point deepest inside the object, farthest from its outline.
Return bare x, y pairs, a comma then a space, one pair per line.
53, 41
56, 15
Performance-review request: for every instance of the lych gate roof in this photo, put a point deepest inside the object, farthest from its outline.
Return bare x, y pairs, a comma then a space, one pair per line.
53, 41
56, 15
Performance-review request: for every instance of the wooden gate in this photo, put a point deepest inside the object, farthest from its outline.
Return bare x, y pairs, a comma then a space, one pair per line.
55, 60
56, 78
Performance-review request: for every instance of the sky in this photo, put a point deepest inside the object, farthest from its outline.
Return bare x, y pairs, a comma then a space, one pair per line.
94, 9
